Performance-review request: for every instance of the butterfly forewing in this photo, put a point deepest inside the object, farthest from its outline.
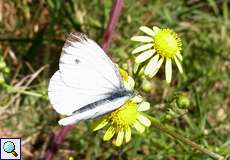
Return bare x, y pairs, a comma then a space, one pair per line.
83, 62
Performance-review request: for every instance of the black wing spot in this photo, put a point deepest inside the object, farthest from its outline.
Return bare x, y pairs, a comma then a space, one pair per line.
77, 61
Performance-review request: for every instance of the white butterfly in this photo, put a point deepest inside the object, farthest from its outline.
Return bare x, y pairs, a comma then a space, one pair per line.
87, 84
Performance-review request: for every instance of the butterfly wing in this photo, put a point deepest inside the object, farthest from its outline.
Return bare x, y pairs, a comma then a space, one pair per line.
65, 99
97, 111
83, 61
85, 75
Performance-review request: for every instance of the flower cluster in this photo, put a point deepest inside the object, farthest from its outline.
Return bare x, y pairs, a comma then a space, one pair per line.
159, 45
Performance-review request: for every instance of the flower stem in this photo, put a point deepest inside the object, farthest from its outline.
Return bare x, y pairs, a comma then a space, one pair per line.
58, 138
156, 124
114, 15
13, 89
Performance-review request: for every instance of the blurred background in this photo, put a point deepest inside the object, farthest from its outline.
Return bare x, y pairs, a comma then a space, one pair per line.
32, 34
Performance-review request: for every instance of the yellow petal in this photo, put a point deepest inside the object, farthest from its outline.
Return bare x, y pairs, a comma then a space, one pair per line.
142, 48
142, 38
124, 74
144, 56
127, 134
178, 65
147, 30
168, 70
109, 134
151, 65
156, 69
145, 121
120, 137
178, 54
155, 29
144, 106
99, 123
139, 127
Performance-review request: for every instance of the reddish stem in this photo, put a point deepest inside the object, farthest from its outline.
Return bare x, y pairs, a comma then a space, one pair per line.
60, 133
58, 138
114, 16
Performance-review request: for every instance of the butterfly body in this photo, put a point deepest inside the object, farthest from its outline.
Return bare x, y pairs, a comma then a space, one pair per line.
87, 84
113, 96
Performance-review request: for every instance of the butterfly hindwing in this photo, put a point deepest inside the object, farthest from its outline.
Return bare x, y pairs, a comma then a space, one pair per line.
95, 112
66, 99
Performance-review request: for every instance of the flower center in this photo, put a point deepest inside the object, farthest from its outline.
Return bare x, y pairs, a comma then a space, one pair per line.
167, 43
125, 116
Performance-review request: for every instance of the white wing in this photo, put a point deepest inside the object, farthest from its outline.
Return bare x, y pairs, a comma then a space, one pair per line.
65, 100
83, 61
86, 75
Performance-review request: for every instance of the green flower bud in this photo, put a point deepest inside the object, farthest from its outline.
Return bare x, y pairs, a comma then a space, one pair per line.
183, 101
146, 86
170, 114
168, 117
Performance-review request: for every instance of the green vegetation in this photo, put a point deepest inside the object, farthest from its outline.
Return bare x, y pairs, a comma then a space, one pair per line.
196, 103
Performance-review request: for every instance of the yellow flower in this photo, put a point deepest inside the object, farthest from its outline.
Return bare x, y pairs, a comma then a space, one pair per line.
160, 45
124, 118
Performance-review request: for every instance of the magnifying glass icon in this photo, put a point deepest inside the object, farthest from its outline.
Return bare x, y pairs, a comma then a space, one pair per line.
9, 147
